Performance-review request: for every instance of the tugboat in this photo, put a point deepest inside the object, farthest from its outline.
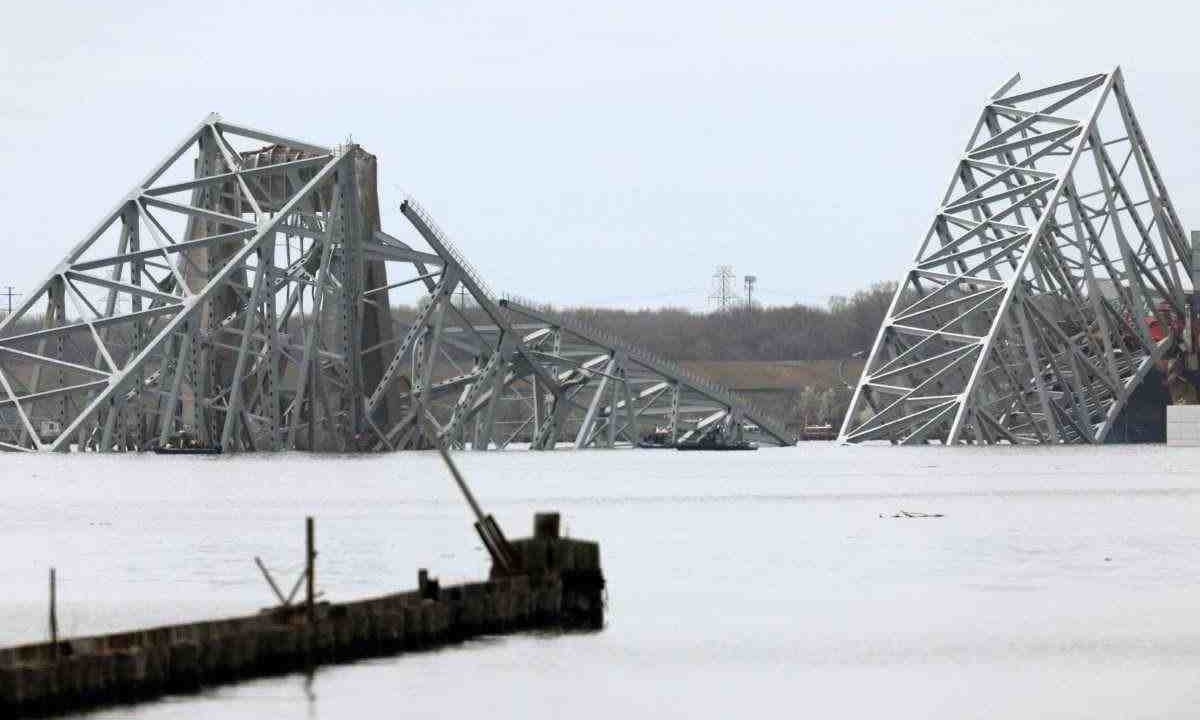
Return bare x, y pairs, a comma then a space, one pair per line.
818, 432
183, 443
718, 438
660, 439
710, 442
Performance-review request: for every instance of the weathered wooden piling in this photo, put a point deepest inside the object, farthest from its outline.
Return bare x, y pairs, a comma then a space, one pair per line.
556, 582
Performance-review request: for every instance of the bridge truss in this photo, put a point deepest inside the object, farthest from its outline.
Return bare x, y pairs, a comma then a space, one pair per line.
1026, 315
245, 293
616, 387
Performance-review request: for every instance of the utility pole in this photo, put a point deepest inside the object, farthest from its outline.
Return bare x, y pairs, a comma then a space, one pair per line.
9, 294
750, 280
723, 283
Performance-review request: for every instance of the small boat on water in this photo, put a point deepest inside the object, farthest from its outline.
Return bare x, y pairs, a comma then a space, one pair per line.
818, 432
654, 445
659, 439
184, 444
215, 450
711, 445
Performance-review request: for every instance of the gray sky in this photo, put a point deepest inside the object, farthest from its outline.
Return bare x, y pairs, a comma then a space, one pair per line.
611, 154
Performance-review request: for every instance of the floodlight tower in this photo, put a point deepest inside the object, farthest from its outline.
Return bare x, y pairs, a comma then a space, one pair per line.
750, 281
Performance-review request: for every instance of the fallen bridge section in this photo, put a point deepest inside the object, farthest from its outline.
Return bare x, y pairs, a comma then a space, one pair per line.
244, 296
1047, 286
615, 391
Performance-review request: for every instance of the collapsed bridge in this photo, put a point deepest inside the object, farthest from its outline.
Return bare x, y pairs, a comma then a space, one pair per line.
245, 294
1054, 279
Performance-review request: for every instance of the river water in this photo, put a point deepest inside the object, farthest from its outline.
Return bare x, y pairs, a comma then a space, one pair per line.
1061, 583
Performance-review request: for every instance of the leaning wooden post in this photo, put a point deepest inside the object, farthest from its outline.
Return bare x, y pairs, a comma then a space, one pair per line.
310, 570
53, 615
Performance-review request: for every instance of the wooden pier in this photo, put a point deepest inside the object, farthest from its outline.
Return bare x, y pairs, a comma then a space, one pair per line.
549, 582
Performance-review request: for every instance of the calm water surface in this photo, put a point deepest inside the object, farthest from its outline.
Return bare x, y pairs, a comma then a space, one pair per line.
1062, 582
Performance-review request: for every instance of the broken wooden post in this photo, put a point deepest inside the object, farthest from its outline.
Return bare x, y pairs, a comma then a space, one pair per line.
270, 580
310, 570
53, 615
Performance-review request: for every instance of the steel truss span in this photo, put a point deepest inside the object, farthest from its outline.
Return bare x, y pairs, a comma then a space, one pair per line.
245, 293
1025, 316
612, 387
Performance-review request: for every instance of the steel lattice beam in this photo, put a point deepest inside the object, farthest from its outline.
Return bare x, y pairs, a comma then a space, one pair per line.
642, 385
1024, 316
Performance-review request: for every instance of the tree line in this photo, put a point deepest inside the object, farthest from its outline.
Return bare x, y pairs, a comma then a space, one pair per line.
795, 332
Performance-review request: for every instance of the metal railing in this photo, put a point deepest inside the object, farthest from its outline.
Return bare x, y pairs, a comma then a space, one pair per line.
450, 247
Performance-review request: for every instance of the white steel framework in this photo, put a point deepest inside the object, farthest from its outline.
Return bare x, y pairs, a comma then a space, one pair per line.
1025, 316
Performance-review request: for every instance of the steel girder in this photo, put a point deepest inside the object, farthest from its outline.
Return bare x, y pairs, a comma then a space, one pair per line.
205, 309
1024, 316
245, 293
615, 388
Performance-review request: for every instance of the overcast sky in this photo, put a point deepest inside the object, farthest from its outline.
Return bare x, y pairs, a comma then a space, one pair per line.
608, 154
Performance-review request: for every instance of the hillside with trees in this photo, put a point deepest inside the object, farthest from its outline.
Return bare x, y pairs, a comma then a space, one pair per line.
777, 333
